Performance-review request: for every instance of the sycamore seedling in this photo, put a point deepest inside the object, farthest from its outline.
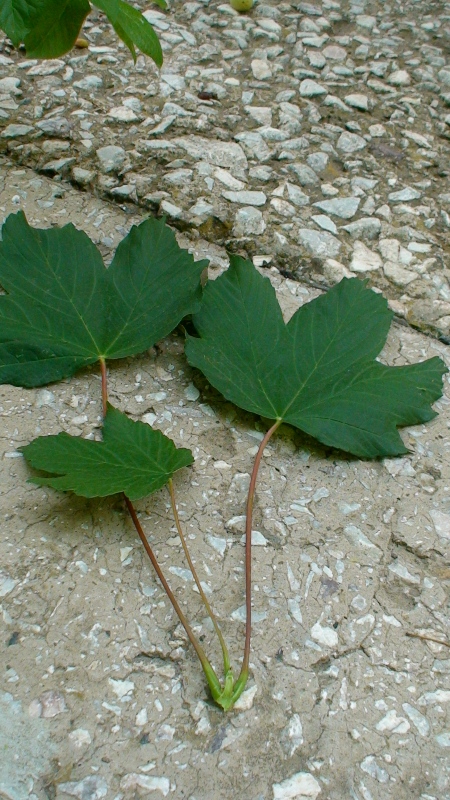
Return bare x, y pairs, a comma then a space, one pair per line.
62, 311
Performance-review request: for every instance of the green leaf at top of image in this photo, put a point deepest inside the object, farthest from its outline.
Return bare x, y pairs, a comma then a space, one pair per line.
54, 26
132, 27
317, 372
14, 18
62, 309
131, 458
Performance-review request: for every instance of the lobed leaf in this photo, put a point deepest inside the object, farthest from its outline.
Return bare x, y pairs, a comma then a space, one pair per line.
132, 458
63, 310
14, 18
318, 372
132, 27
54, 26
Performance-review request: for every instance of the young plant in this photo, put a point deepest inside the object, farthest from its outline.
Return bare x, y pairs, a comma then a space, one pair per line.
318, 372
49, 28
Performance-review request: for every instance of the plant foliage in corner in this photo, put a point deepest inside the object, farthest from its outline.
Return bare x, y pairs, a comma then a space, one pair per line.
49, 28
63, 310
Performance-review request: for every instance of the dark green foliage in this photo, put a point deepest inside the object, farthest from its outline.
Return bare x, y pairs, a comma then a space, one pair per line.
132, 458
64, 310
318, 372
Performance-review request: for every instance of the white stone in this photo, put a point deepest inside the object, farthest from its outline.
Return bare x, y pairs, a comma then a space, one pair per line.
111, 158
399, 275
363, 259
248, 222
227, 179
324, 222
335, 53
15, 131
80, 738
258, 540
149, 783
7, 584
359, 101
245, 701
191, 392
319, 243
171, 209
377, 130
261, 69
261, 114
350, 143
392, 723
404, 195
324, 635
10, 86
418, 720
438, 696
342, 207
121, 688
122, 114
220, 154
334, 271
89, 82
310, 88
403, 572
443, 739
141, 718
399, 78
300, 786
247, 198
91, 788
370, 766
441, 523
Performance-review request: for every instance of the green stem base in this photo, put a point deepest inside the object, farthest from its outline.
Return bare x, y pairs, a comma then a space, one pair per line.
225, 696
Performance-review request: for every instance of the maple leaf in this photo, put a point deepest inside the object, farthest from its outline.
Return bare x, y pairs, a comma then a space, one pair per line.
131, 458
63, 310
317, 372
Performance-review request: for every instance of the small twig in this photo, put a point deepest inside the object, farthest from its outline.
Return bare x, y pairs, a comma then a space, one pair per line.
426, 638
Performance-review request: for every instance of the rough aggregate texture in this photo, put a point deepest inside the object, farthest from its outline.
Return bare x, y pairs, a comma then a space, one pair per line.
101, 696
358, 90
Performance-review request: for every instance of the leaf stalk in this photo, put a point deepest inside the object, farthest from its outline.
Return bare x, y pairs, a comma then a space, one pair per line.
248, 552
212, 616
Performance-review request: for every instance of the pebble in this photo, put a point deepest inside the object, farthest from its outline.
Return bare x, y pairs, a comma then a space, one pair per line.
248, 222
91, 788
320, 244
246, 198
261, 69
309, 88
16, 131
300, 786
111, 158
342, 207
404, 195
350, 143
364, 259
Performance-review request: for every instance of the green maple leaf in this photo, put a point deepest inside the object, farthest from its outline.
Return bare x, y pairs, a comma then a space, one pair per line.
319, 371
54, 26
63, 310
132, 458
132, 27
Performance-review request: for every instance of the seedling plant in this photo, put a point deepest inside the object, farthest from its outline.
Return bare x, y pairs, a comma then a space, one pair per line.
63, 311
